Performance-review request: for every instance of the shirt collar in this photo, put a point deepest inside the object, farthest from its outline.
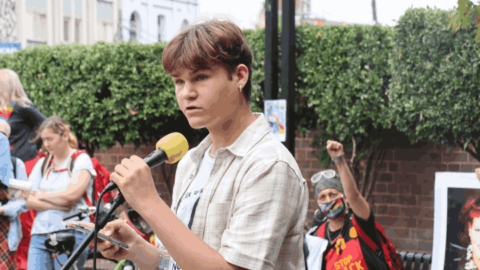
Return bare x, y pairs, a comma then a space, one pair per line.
249, 137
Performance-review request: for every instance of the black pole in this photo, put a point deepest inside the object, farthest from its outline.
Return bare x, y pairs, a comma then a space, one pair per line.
119, 200
288, 69
271, 49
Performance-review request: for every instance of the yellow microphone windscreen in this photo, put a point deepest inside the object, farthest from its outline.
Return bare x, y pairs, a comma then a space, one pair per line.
175, 146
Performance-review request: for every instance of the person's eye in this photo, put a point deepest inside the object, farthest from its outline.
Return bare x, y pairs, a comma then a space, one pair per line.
178, 82
201, 77
477, 230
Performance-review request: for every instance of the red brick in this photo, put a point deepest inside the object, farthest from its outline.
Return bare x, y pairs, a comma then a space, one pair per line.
408, 244
472, 159
408, 200
425, 201
393, 188
453, 167
405, 178
300, 154
416, 189
404, 189
425, 224
393, 167
393, 211
305, 165
397, 233
422, 234
454, 157
381, 209
467, 168
385, 177
113, 158
389, 155
381, 188
425, 246
410, 211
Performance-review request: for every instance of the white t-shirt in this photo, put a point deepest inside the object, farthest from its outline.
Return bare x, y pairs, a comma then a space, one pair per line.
187, 206
51, 220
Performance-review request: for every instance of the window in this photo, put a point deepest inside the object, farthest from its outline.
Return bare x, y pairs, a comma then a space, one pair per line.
161, 27
40, 27
66, 23
104, 10
37, 3
184, 25
135, 26
78, 23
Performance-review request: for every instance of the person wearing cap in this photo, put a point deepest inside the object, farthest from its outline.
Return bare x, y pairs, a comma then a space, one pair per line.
343, 247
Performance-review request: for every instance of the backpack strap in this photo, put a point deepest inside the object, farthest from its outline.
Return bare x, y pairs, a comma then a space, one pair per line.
70, 169
365, 237
14, 164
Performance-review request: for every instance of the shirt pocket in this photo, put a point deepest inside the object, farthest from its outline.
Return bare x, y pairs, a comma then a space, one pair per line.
216, 223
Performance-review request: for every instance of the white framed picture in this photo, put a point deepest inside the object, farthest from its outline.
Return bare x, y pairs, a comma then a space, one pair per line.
456, 229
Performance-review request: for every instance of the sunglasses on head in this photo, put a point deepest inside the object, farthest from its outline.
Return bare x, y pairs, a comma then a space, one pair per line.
329, 174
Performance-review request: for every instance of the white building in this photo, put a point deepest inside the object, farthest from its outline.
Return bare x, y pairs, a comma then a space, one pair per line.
149, 21
53, 22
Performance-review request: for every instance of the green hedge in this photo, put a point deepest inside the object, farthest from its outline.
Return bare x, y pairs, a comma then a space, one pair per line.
107, 92
435, 79
344, 77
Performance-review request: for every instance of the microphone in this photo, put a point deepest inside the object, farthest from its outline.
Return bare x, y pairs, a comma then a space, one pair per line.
170, 149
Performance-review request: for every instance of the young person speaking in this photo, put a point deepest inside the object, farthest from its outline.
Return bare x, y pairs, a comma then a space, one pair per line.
239, 199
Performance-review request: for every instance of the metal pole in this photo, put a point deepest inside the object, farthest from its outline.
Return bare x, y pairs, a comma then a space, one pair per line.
271, 49
288, 69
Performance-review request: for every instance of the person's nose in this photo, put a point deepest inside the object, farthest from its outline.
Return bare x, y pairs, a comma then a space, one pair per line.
189, 91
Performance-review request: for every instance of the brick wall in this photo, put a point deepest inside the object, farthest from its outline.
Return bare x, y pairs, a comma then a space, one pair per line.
402, 200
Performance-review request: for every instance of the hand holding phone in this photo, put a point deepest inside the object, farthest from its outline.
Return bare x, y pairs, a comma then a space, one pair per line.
84, 229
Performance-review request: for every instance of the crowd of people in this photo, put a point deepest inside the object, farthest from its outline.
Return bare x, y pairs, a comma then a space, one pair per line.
239, 199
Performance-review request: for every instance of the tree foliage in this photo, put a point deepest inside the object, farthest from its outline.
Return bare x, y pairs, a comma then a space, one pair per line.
465, 16
343, 76
434, 91
107, 92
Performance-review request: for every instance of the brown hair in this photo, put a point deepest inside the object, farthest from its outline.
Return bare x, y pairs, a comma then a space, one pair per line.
470, 210
11, 90
213, 42
58, 126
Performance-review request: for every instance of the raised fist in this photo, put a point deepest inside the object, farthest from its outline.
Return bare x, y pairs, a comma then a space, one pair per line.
334, 148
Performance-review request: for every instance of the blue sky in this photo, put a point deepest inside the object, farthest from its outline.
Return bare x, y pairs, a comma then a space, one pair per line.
245, 12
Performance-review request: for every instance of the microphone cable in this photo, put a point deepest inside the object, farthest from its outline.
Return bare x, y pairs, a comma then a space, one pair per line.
96, 229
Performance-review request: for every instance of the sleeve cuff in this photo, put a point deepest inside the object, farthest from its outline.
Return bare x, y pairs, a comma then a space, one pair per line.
245, 261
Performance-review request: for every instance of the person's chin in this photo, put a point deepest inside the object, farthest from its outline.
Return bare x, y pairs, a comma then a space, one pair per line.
196, 123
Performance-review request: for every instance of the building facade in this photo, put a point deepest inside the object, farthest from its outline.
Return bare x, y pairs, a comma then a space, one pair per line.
150, 21
52, 22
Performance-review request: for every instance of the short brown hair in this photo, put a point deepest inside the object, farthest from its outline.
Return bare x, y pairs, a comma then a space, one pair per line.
210, 43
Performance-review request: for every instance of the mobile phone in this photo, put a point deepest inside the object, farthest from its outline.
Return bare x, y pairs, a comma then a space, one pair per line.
84, 229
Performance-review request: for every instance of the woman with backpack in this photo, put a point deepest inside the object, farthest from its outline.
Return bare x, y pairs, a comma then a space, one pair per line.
58, 190
24, 118
348, 237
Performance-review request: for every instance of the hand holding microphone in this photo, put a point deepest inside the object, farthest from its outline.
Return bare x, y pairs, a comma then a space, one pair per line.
133, 176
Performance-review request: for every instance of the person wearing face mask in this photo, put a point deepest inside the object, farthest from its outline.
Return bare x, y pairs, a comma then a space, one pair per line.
340, 227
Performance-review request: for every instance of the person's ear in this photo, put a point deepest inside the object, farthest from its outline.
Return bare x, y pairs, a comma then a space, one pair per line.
242, 76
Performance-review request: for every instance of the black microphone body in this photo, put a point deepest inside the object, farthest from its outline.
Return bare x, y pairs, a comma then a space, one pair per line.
155, 158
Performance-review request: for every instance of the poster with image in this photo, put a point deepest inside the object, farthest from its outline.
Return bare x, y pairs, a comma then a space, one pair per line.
10, 47
276, 116
456, 243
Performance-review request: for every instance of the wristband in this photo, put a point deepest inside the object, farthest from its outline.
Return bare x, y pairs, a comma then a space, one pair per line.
338, 159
